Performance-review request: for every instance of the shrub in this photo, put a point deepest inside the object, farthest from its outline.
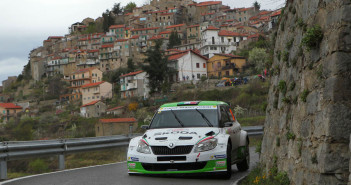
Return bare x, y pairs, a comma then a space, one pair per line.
282, 86
289, 44
258, 147
286, 100
292, 86
38, 166
133, 106
300, 22
304, 95
286, 56
294, 61
290, 135
313, 37
279, 55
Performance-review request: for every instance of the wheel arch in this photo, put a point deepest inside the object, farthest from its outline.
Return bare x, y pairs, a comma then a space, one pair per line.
244, 137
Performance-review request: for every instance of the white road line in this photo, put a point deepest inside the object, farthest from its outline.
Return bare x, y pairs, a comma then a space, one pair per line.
20, 178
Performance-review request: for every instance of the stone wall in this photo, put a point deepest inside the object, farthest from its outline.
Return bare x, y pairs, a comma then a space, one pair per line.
307, 128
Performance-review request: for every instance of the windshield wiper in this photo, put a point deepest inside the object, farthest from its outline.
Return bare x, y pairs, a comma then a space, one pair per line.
176, 117
205, 118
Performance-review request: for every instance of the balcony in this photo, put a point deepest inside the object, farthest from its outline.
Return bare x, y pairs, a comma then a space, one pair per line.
229, 66
131, 86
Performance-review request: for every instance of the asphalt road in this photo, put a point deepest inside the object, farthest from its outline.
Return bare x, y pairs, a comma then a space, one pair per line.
117, 174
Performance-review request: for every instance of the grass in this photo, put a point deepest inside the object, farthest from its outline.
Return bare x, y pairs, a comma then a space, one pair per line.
272, 177
252, 121
20, 168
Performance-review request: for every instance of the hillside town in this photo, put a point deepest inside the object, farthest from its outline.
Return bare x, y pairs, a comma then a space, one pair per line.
209, 35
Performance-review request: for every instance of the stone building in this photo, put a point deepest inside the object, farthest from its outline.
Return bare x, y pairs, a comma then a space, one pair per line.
7, 83
93, 109
115, 126
96, 91
134, 84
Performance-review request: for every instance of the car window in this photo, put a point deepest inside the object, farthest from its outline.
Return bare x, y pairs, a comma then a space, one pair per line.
230, 114
224, 115
189, 118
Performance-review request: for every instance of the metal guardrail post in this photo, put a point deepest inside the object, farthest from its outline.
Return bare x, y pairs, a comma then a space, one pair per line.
61, 162
3, 169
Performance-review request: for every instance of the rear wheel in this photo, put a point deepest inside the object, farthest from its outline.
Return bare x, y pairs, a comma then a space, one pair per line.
245, 163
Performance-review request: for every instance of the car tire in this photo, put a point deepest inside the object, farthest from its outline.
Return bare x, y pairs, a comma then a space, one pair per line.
228, 173
245, 164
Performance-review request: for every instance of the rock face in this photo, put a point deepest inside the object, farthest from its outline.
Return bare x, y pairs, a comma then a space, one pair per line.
308, 123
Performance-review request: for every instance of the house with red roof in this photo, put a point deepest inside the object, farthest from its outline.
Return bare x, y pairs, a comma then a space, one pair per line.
115, 126
225, 65
215, 41
189, 65
8, 110
134, 84
116, 111
93, 109
78, 79
118, 31
96, 91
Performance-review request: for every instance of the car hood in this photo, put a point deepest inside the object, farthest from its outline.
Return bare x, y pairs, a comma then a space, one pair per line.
178, 136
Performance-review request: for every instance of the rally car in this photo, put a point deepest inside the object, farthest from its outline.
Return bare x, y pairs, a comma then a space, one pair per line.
190, 137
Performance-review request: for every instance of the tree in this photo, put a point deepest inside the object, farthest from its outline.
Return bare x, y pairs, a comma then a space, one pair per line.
174, 40
131, 67
258, 57
108, 20
155, 65
256, 5
117, 9
129, 7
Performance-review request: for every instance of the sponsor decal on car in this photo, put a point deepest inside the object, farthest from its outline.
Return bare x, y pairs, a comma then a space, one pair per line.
220, 163
220, 156
131, 165
134, 159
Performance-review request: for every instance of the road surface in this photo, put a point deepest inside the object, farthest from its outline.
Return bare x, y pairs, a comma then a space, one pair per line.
117, 174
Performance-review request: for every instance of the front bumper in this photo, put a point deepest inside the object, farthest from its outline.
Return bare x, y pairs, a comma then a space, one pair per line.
208, 161
177, 168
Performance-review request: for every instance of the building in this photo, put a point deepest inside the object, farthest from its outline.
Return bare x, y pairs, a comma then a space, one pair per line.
8, 110
134, 84
78, 79
96, 91
189, 65
1, 89
215, 40
93, 109
225, 65
116, 111
7, 83
115, 126
4, 98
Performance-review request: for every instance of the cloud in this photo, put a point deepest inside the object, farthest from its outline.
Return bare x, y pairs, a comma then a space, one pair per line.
11, 67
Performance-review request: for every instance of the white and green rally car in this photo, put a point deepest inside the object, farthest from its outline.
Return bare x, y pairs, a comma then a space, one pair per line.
190, 137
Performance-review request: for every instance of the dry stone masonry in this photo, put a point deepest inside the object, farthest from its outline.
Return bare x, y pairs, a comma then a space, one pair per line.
308, 123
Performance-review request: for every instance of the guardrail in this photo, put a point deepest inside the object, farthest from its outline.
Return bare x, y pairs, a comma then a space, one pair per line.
14, 150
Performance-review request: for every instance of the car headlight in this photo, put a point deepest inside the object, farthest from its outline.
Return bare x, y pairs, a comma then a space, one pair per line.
206, 145
143, 147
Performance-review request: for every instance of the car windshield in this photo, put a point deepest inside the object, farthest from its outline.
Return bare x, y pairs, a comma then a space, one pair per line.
185, 118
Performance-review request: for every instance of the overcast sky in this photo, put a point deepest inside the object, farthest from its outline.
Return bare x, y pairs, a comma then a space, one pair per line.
24, 24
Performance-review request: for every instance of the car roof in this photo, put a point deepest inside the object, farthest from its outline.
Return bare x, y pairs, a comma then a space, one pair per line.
201, 103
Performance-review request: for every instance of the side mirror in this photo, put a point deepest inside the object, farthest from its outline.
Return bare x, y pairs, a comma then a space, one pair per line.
228, 124
145, 127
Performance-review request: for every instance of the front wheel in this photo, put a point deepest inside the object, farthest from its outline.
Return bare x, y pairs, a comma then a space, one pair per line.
245, 163
228, 173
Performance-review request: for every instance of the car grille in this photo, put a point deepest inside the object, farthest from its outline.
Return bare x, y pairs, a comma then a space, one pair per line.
178, 150
174, 166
